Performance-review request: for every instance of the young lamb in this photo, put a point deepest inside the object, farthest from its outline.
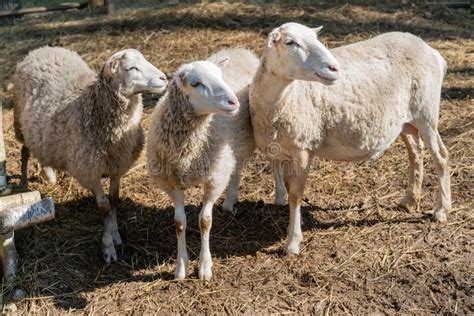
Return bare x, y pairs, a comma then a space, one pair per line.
303, 106
87, 125
198, 135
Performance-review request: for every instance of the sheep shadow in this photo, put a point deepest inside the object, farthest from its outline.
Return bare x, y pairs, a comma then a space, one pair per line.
63, 258
157, 19
456, 93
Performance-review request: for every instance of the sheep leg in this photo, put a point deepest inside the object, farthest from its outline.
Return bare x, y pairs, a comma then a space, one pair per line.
440, 155
233, 192
295, 174
414, 147
180, 222
114, 201
108, 249
48, 173
280, 190
25, 156
211, 194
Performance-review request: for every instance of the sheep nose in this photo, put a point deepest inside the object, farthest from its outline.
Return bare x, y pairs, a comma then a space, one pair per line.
232, 102
333, 68
163, 78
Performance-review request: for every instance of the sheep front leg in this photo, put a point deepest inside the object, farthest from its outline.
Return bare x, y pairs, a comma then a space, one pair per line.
108, 249
212, 191
295, 174
114, 193
49, 174
280, 190
180, 222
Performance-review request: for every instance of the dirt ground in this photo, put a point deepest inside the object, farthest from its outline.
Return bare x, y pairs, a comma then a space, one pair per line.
360, 254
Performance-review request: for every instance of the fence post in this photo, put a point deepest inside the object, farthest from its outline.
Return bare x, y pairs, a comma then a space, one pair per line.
103, 5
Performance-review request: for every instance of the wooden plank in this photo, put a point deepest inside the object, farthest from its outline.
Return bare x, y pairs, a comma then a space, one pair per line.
60, 7
26, 215
15, 200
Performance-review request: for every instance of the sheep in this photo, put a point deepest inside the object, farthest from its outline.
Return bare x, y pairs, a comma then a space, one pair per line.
200, 135
70, 119
303, 106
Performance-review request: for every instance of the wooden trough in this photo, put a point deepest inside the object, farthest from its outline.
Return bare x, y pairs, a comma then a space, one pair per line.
17, 211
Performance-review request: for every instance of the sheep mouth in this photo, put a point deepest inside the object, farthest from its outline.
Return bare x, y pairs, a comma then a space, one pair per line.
229, 112
157, 88
327, 80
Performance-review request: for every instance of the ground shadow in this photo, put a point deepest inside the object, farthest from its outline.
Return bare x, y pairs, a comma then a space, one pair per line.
458, 93
63, 258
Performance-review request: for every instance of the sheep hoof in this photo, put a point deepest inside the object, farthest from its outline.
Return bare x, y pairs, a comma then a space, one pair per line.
24, 184
408, 203
228, 206
180, 274
293, 249
205, 272
440, 215
116, 238
281, 201
109, 253
48, 174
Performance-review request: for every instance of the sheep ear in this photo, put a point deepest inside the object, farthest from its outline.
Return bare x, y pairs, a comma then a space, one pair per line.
182, 77
317, 29
110, 68
222, 62
273, 37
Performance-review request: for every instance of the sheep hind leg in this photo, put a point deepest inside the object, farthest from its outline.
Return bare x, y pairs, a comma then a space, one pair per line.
438, 151
108, 249
25, 156
280, 190
49, 174
414, 146
233, 192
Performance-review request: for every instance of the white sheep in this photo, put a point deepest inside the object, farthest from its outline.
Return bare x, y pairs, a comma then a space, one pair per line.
304, 104
87, 125
200, 135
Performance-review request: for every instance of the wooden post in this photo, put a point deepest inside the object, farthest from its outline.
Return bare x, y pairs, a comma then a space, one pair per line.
96, 4
3, 176
17, 217
17, 211
107, 6
110, 6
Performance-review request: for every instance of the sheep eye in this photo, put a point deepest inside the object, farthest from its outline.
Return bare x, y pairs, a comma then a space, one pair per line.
132, 68
194, 84
291, 42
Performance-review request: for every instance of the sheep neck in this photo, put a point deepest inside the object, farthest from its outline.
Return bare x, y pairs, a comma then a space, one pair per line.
268, 88
108, 111
185, 132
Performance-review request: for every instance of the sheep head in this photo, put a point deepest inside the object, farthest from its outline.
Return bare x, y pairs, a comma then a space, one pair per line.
202, 83
294, 52
132, 73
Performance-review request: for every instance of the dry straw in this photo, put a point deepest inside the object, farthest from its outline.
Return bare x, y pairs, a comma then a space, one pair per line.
360, 254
